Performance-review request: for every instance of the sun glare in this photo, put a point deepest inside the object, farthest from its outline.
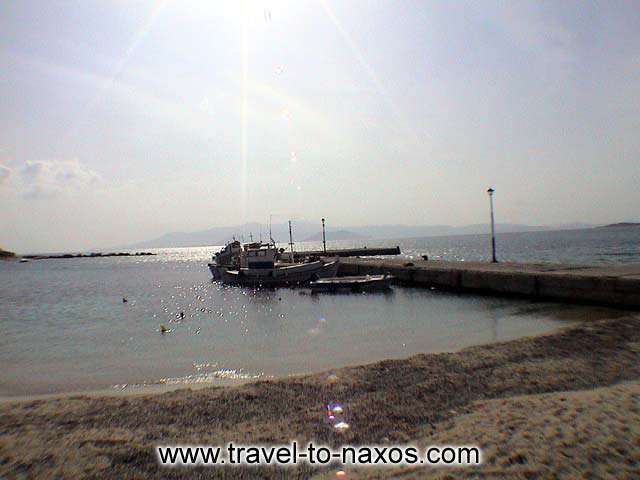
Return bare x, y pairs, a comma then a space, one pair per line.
245, 10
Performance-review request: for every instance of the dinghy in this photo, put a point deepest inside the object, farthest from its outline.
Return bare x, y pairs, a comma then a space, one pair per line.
361, 283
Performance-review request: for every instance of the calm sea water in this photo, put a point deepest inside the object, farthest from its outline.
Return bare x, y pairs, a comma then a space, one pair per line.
64, 327
585, 247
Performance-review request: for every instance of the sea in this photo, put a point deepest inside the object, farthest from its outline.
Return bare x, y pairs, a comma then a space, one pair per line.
64, 326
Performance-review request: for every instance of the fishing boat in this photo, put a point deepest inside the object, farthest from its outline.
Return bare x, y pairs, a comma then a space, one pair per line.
228, 257
258, 265
360, 283
228, 253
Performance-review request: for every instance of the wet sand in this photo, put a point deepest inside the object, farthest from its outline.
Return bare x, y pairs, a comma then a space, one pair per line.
577, 388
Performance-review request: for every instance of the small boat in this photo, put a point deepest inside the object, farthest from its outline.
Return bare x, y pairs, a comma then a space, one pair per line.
258, 265
359, 283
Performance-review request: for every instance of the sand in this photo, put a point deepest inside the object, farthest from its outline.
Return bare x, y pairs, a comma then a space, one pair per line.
520, 401
578, 434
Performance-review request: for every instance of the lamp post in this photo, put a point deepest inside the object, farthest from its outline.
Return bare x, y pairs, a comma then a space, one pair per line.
493, 227
324, 239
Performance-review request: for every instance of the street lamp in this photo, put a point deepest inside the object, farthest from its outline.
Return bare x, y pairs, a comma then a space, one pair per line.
493, 227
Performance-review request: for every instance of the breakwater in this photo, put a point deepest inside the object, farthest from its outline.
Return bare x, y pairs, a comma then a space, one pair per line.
616, 285
347, 252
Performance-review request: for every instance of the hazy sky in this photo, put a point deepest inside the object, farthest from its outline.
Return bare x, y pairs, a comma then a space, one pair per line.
121, 120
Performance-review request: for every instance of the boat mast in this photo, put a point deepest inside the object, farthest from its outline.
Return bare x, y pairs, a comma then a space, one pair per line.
290, 240
271, 236
324, 239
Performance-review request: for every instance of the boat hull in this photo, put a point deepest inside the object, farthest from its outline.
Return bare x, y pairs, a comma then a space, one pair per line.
216, 270
297, 274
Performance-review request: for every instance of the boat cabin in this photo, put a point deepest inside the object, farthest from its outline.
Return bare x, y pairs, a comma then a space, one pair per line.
228, 253
258, 256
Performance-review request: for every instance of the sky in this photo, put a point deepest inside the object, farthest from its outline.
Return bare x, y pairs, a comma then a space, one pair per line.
121, 120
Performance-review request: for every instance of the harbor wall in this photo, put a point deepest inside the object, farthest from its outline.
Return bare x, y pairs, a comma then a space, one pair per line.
613, 286
348, 252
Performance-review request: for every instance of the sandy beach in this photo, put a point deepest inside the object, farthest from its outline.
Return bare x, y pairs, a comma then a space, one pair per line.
559, 405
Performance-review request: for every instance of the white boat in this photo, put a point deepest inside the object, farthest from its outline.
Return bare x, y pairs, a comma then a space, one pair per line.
360, 283
259, 267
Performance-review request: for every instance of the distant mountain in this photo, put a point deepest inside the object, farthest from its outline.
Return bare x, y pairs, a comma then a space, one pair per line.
312, 231
409, 231
335, 235
621, 225
221, 235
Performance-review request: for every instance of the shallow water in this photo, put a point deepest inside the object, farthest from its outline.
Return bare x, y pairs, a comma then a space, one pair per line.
65, 328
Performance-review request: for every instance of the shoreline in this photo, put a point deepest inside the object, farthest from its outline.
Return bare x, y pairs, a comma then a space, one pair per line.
130, 391
392, 401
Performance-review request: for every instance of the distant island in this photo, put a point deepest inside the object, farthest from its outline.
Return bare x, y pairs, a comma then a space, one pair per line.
312, 231
621, 225
6, 254
335, 235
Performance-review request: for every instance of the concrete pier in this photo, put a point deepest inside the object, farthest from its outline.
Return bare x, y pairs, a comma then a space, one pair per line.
615, 285
348, 252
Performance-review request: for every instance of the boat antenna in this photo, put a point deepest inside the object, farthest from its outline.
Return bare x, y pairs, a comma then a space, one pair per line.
260, 233
271, 236
251, 236
290, 240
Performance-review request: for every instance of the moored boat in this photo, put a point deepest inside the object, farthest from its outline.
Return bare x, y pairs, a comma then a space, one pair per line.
257, 264
291, 275
228, 257
360, 283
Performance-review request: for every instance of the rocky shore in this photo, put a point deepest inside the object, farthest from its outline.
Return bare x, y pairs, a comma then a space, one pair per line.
563, 405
